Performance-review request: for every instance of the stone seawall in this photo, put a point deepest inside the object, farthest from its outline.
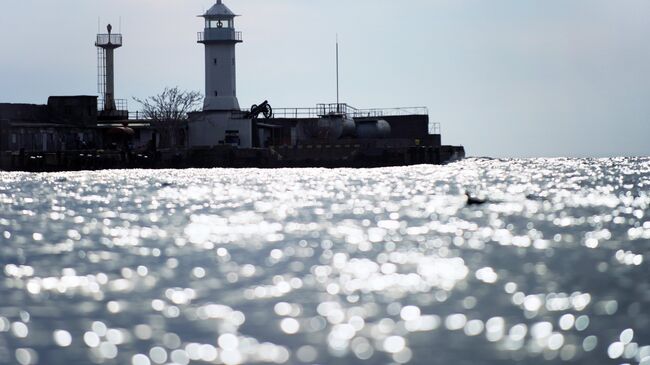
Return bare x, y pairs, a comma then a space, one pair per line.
317, 155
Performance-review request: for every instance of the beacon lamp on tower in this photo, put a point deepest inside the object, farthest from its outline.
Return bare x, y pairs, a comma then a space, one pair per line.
220, 38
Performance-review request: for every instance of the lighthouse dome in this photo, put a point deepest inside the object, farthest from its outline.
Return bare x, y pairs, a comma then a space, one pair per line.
219, 10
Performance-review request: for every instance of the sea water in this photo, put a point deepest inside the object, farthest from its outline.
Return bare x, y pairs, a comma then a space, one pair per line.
548, 264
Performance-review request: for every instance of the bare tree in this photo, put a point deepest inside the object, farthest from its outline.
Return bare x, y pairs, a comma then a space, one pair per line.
171, 105
166, 109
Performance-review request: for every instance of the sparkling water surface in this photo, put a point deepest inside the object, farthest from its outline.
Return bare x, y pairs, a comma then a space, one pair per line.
329, 266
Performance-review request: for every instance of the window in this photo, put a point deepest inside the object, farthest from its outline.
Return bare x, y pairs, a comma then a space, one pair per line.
215, 61
219, 23
216, 93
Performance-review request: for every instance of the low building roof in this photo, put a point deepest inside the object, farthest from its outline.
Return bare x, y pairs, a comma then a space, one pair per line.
73, 97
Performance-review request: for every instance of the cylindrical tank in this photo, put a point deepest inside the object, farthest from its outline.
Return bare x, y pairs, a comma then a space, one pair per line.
329, 128
348, 128
373, 129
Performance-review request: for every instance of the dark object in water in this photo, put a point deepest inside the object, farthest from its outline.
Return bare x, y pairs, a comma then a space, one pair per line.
474, 201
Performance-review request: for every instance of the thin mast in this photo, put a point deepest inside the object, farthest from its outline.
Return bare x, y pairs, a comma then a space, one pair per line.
337, 75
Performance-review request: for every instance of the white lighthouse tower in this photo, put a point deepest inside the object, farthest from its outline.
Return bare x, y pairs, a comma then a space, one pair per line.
221, 121
220, 38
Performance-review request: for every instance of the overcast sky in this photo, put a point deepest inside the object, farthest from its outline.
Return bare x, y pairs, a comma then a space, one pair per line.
505, 78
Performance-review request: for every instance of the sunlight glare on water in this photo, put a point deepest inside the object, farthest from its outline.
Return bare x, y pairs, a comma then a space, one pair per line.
343, 266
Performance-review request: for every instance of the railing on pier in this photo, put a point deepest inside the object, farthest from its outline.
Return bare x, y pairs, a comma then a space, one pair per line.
137, 115
120, 104
106, 39
329, 109
434, 128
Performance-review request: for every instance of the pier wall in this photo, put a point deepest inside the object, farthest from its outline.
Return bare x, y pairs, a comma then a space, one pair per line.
363, 155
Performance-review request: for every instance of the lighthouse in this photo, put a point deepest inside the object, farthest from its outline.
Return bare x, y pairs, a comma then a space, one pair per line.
106, 45
221, 122
220, 38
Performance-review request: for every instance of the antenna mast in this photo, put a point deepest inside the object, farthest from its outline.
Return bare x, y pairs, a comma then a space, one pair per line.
337, 75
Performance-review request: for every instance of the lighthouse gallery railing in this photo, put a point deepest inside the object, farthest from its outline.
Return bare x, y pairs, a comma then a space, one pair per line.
228, 35
106, 39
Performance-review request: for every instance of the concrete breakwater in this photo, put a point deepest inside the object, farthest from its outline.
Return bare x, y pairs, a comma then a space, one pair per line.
357, 154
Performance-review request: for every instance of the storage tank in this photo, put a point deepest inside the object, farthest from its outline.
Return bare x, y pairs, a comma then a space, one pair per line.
329, 128
372, 129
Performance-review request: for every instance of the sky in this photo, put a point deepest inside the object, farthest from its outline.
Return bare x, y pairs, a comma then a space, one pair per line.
504, 78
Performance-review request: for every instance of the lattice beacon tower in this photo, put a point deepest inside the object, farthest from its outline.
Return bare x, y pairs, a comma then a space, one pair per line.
220, 38
106, 45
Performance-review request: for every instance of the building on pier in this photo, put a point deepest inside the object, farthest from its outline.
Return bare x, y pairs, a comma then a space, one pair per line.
66, 122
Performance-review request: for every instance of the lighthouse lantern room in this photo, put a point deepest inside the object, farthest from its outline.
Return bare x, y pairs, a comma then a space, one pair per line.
220, 38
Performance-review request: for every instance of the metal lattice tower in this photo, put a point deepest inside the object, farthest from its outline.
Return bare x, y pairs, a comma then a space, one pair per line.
106, 45
101, 72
